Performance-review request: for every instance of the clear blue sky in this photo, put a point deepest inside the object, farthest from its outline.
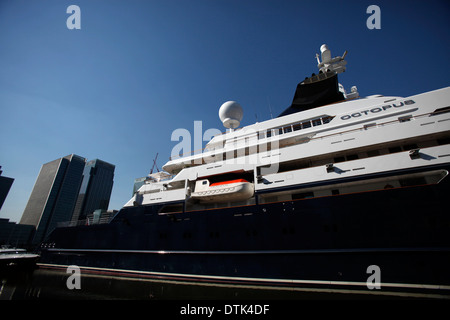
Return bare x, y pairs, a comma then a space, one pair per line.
138, 70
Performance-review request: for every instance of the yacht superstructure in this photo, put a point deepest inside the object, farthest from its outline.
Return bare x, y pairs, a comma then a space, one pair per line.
347, 139
335, 184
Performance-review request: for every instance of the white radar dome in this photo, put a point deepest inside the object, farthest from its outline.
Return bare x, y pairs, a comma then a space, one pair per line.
231, 113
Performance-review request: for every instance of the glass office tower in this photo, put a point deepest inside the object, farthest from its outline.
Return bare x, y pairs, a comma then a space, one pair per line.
95, 191
54, 195
5, 185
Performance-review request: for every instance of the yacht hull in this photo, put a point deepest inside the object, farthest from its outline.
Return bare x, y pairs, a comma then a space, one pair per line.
342, 243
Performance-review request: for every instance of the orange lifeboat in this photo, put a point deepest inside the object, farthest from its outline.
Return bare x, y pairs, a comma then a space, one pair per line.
231, 190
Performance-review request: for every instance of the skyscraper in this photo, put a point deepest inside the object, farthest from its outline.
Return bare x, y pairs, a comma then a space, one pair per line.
138, 182
95, 191
54, 194
5, 185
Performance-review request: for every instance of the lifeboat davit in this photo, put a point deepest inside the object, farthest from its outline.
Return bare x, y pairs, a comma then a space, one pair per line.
231, 190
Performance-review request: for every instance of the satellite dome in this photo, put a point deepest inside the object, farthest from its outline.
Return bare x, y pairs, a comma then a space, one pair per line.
230, 113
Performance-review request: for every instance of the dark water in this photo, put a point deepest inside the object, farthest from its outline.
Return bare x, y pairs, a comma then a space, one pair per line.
168, 298
44, 284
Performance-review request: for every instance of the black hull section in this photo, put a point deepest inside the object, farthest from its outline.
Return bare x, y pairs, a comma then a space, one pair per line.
326, 242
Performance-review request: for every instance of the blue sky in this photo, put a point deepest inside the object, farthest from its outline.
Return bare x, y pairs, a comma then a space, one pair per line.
137, 70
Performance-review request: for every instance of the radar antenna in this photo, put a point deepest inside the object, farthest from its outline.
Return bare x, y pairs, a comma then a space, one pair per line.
337, 64
154, 164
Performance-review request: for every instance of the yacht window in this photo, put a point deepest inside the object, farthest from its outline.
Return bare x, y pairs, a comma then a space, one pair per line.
410, 146
306, 124
269, 133
297, 126
271, 199
171, 208
304, 195
440, 110
443, 141
405, 119
410, 182
394, 149
316, 122
339, 159
287, 129
326, 119
370, 126
373, 153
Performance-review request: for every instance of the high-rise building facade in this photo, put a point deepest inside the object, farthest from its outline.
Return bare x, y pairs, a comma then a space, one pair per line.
5, 185
138, 182
54, 195
95, 191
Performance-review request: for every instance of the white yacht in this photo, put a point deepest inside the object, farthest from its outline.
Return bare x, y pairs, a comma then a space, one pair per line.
310, 200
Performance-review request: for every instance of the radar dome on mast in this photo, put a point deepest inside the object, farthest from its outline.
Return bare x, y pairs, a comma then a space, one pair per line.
231, 113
